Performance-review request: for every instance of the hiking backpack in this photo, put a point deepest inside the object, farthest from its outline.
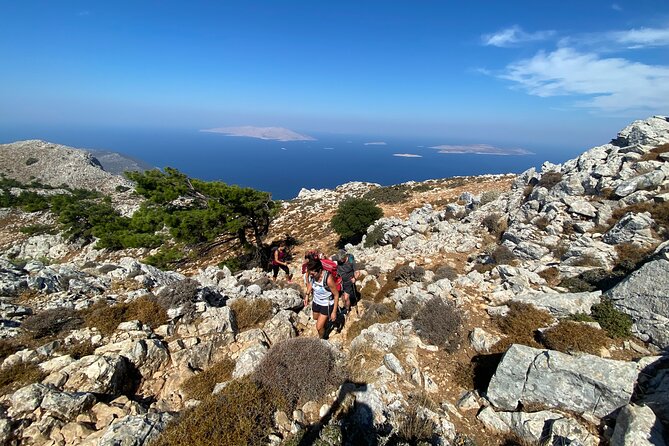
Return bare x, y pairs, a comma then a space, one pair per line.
330, 267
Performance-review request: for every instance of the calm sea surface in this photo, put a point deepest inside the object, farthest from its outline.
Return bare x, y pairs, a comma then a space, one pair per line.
283, 168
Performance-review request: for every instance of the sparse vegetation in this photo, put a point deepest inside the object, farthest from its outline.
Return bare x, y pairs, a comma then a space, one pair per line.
200, 386
178, 294
490, 196
19, 375
106, 317
240, 415
353, 217
440, 323
251, 312
570, 336
414, 427
389, 194
51, 322
549, 179
520, 325
406, 274
654, 154
496, 224
79, 349
445, 272
375, 313
374, 236
550, 275
165, 258
31, 160
38, 229
300, 369
503, 255
616, 323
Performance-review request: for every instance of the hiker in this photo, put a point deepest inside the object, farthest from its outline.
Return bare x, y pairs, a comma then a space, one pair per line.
278, 262
323, 288
346, 269
311, 254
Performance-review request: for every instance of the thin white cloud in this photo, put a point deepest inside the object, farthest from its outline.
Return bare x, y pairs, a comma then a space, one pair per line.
407, 155
609, 84
616, 7
513, 36
641, 37
375, 143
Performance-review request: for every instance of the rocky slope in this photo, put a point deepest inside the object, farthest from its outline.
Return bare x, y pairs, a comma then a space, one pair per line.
564, 240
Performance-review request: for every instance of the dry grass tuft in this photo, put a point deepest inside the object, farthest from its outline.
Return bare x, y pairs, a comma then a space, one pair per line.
412, 428
301, 369
375, 313
653, 155
17, 376
201, 385
550, 275
106, 317
251, 312
569, 336
242, 414
362, 362
520, 325
79, 350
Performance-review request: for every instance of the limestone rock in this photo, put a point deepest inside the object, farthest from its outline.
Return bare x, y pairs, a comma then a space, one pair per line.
638, 426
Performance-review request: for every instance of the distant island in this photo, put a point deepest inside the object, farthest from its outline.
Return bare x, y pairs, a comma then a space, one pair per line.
269, 133
480, 149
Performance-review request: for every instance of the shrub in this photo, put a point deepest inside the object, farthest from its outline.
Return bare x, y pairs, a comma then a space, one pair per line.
576, 285
409, 308
241, 414
616, 323
503, 255
300, 369
542, 223
414, 427
520, 325
630, 255
38, 229
440, 323
19, 375
51, 322
424, 187
549, 179
251, 312
495, 224
147, 310
490, 196
79, 349
550, 275
388, 194
121, 188
30, 161
445, 272
374, 236
375, 313
406, 274
180, 293
353, 217
106, 317
201, 385
570, 336
165, 257
8, 347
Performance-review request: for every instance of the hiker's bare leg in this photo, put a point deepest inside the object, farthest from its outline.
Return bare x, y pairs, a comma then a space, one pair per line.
320, 324
347, 301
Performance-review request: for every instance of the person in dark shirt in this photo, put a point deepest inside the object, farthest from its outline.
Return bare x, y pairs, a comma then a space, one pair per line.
346, 269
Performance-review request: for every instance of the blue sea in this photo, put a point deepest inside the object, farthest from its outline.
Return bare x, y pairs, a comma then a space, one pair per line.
283, 168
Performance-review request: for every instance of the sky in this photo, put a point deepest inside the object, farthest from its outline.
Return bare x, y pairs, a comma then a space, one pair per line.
513, 72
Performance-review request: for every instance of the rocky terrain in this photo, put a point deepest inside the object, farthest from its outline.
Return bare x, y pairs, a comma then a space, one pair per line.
493, 311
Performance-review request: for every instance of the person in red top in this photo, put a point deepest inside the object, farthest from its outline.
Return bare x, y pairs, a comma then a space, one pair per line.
279, 262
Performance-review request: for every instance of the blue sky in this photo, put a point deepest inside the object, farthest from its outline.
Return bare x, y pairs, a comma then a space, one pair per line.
510, 71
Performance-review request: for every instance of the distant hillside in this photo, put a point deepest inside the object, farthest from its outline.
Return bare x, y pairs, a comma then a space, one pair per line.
117, 163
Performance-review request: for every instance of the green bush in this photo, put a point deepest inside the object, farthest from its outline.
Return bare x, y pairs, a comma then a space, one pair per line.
353, 217
440, 323
38, 229
374, 236
165, 258
490, 196
550, 179
616, 323
30, 161
388, 195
